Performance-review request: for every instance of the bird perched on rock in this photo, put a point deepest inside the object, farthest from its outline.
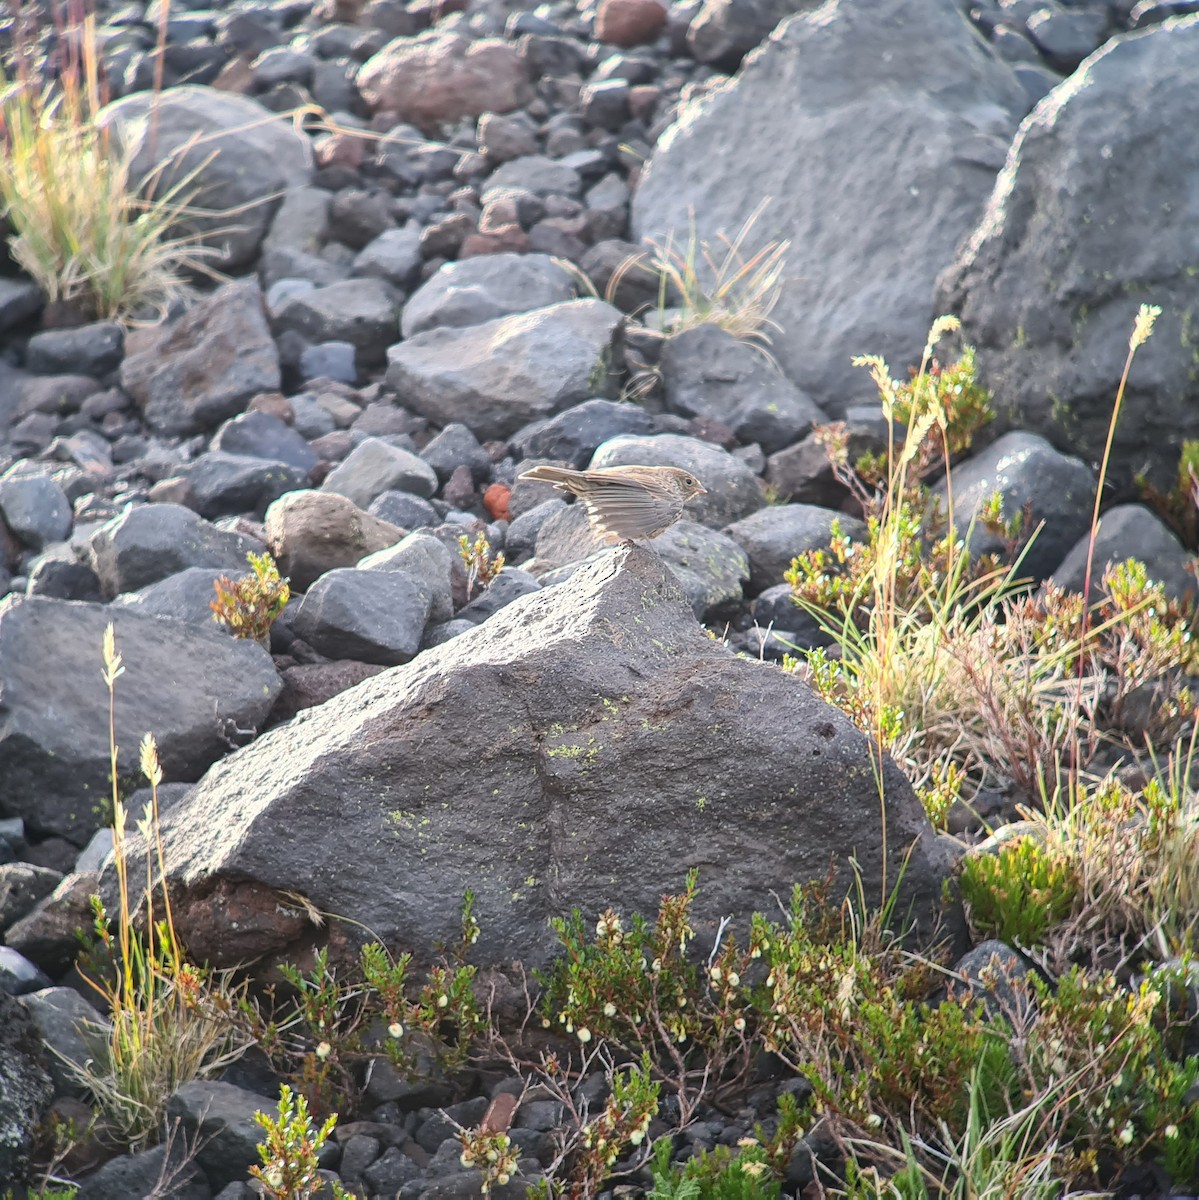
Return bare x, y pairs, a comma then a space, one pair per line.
624, 503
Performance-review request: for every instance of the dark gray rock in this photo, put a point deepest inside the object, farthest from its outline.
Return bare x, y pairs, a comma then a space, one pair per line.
62, 578
370, 616
497, 376
150, 542
71, 1029
707, 372
723, 32
22, 885
93, 349
455, 446
426, 559
553, 732
291, 248
223, 1118
510, 584
35, 509
403, 509
1129, 531
358, 311
18, 976
184, 596
189, 376
574, 435
194, 688
733, 490
537, 174
877, 105
1059, 492
329, 360
232, 153
390, 1172
375, 466
262, 435
522, 533
20, 299
140, 1174
1065, 36
222, 483
1042, 294
485, 288
25, 1090
773, 536
995, 974
394, 256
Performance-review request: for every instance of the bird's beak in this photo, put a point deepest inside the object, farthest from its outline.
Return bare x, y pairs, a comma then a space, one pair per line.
701, 491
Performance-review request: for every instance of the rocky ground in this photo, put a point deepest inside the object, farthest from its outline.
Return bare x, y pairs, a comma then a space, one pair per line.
424, 297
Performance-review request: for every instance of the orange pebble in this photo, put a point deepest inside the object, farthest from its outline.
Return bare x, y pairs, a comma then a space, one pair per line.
495, 500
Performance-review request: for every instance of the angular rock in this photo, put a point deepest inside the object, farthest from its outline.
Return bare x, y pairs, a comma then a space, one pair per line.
369, 616
219, 1118
724, 31
554, 733
262, 435
22, 885
502, 374
223, 483
1048, 297
1129, 531
427, 560
35, 509
291, 248
310, 533
1059, 492
774, 535
70, 1027
189, 376
394, 255
629, 22
455, 446
153, 541
374, 467
574, 435
184, 596
192, 687
233, 154
539, 174
484, 288
733, 490
440, 77
707, 372
308, 684
25, 1090
139, 1174
359, 311
93, 349
877, 104
403, 509
510, 584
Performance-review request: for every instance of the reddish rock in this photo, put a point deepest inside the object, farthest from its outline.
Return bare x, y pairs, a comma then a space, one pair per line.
495, 500
340, 150
629, 22
643, 99
440, 77
508, 239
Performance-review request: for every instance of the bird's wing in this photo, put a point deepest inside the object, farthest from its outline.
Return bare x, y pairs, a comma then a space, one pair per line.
631, 512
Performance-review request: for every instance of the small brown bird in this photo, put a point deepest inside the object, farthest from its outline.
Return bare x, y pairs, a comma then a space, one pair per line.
624, 503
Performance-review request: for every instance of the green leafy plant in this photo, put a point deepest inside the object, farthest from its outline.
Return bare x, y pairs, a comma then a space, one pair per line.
249, 606
1018, 893
1179, 507
288, 1152
720, 1174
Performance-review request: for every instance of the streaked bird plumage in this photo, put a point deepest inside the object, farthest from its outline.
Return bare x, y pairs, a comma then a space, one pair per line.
625, 503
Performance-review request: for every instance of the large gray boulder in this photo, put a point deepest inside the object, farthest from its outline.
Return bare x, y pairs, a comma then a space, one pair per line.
583, 747
229, 154
499, 375
192, 686
875, 129
1095, 213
